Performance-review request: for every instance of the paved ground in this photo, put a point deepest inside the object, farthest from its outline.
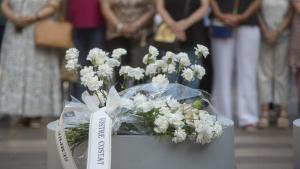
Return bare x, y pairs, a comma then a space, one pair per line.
22, 148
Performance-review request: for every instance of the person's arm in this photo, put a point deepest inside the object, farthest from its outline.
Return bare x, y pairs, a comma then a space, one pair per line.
113, 20
227, 18
46, 11
7, 12
147, 15
109, 15
160, 7
250, 11
168, 20
194, 17
269, 35
216, 10
296, 4
286, 21
263, 26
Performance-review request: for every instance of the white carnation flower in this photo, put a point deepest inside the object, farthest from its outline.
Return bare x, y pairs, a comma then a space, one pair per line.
153, 51
124, 70
160, 80
144, 106
139, 99
136, 73
72, 53
91, 82
113, 62
89, 79
173, 104
176, 119
117, 53
201, 51
179, 135
183, 59
206, 118
72, 64
169, 69
160, 63
170, 58
159, 104
188, 74
165, 111
87, 71
128, 104
148, 59
199, 71
218, 129
161, 123
151, 69
151, 56
105, 71
97, 56
205, 136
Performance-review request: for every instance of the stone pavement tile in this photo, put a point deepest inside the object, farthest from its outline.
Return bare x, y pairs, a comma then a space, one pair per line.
264, 152
28, 160
264, 166
15, 133
264, 160
22, 146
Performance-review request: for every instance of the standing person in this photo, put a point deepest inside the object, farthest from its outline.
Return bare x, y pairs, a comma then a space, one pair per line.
129, 26
294, 50
235, 34
274, 20
29, 79
89, 30
185, 19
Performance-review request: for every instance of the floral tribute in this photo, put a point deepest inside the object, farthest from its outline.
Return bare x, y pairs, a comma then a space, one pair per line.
158, 105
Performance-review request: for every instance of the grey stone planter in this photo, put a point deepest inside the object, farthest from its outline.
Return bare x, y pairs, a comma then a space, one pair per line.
148, 152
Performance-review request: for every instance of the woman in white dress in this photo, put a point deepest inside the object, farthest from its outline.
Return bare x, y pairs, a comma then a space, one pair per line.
29, 74
274, 20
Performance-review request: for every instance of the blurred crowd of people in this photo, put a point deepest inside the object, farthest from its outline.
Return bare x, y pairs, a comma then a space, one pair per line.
259, 39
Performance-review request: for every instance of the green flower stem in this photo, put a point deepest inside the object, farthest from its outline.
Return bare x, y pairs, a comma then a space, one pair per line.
180, 67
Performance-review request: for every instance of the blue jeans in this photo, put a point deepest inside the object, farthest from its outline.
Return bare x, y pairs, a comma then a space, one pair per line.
84, 41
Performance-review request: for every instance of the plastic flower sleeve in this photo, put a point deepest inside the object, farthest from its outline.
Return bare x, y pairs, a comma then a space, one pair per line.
152, 91
125, 120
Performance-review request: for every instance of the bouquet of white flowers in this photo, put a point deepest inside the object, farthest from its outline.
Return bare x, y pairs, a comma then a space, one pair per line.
160, 107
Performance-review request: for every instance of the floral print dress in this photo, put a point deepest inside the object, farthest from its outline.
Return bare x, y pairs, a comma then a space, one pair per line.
29, 75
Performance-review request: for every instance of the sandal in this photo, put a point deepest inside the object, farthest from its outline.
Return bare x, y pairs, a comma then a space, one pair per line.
283, 121
263, 122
